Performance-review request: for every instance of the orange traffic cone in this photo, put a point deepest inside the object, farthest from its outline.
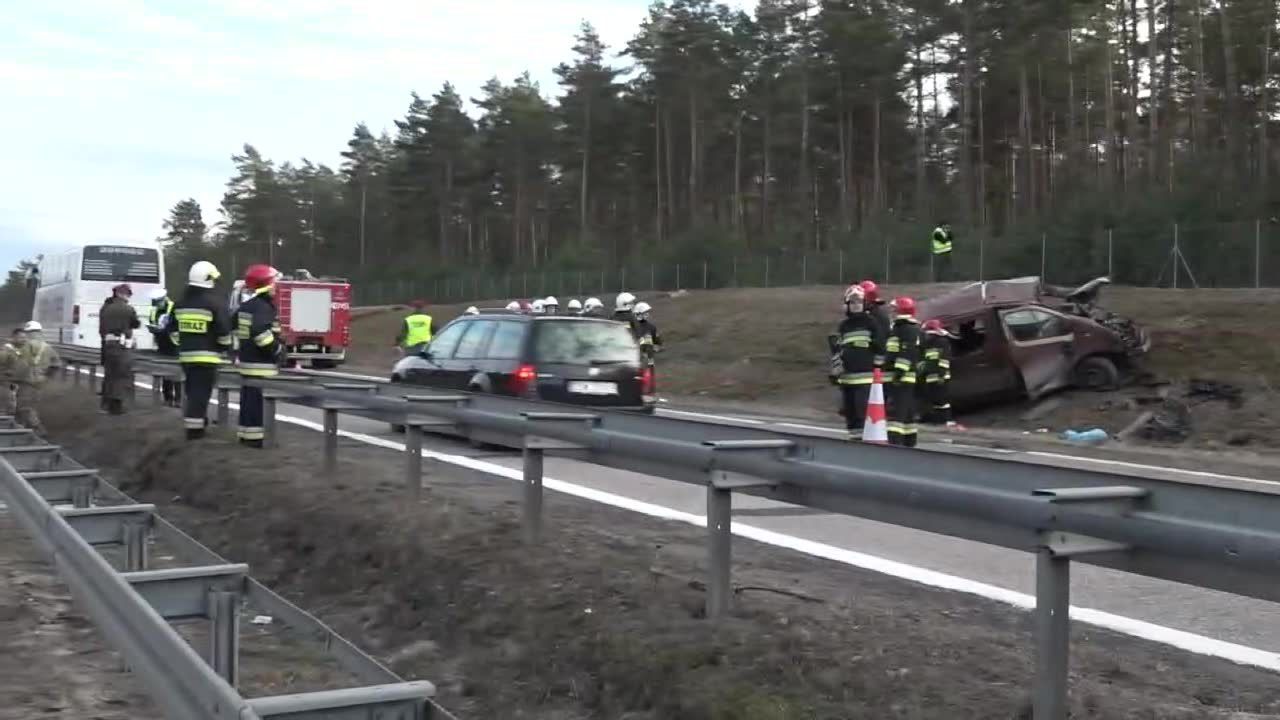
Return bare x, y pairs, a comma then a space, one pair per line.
876, 429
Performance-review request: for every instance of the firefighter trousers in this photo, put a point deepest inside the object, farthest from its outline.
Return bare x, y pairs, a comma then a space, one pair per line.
854, 405
938, 410
902, 414
200, 379
251, 429
117, 376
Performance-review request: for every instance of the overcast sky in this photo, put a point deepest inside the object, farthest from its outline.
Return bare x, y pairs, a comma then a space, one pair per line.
113, 110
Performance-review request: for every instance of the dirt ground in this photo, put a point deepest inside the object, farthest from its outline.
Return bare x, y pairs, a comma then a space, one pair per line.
766, 348
602, 620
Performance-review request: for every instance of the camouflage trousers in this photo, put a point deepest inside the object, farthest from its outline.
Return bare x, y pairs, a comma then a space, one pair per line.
25, 399
7, 404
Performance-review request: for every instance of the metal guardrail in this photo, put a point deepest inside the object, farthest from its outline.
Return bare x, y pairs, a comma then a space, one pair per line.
53, 497
1224, 538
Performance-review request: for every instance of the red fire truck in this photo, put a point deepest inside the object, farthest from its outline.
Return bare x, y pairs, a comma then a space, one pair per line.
315, 317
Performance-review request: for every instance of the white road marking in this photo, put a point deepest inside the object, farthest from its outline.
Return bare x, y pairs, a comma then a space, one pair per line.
721, 418
1181, 639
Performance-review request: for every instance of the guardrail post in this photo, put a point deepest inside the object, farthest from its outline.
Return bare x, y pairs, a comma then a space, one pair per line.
224, 634
157, 389
93, 377
413, 458
224, 406
1053, 588
269, 438
720, 487
82, 494
330, 440
135, 546
75, 374
533, 463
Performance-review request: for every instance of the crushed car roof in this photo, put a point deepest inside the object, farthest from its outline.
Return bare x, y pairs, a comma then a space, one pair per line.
976, 295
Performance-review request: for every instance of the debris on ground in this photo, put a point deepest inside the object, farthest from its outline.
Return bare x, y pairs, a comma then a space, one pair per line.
1170, 423
1199, 389
1092, 436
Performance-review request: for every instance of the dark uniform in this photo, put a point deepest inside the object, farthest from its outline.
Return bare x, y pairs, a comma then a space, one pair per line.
935, 373
861, 344
258, 333
201, 330
116, 322
882, 316
646, 334
902, 354
160, 313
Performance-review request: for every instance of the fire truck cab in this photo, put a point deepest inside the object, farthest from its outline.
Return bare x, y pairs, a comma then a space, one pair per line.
315, 317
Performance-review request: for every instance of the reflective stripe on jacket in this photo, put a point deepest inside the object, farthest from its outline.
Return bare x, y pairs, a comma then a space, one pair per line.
416, 330
941, 241
258, 330
200, 328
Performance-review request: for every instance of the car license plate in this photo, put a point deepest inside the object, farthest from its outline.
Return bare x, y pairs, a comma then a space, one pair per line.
310, 347
593, 388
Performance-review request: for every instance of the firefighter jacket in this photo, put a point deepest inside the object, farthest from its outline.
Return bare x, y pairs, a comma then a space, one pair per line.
156, 322
416, 330
860, 343
646, 334
935, 358
258, 332
200, 328
941, 240
117, 320
902, 351
29, 363
883, 318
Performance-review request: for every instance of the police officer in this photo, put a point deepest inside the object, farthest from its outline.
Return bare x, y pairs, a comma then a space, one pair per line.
940, 244
902, 355
258, 332
201, 330
859, 343
415, 331
32, 362
161, 309
935, 372
116, 322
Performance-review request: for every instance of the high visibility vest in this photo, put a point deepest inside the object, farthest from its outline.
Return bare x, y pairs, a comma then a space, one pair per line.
941, 241
417, 329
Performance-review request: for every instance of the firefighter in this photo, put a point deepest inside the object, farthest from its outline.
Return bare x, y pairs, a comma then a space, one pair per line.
473, 310
258, 330
940, 245
538, 307
31, 363
415, 331
161, 310
116, 322
646, 333
575, 306
935, 373
859, 343
8, 361
201, 330
902, 355
623, 307
551, 305
592, 307
514, 306
879, 311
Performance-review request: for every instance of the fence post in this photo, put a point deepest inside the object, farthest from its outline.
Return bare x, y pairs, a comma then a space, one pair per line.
622, 279
1257, 253
579, 282
653, 276
766, 271
840, 270
804, 269
735, 271
1044, 242
524, 284
982, 256
1110, 251
677, 287
704, 274
1173, 257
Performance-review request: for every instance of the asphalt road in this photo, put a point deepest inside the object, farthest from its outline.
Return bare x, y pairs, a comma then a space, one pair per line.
915, 554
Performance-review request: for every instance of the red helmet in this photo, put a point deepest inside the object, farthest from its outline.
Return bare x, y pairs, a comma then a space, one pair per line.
260, 276
905, 306
870, 290
934, 325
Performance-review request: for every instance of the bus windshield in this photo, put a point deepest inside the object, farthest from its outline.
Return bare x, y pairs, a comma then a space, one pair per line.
119, 263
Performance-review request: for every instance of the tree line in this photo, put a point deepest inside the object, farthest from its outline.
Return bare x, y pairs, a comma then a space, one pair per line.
804, 126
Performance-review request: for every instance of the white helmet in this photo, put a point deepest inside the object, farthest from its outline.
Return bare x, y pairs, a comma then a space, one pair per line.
592, 305
575, 305
159, 294
538, 307
473, 310
32, 326
853, 297
203, 274
642, 310
551, 304
513, 306
624, 303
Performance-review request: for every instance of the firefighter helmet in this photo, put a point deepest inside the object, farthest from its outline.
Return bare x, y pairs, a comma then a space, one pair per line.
203, 274
624, 302
575, 305
905, 306
473, 310
642, 310
538, 307
870, 290
513, 306
260, 276
592, 305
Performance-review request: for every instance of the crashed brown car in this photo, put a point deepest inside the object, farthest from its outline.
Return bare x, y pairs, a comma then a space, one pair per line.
1024, 338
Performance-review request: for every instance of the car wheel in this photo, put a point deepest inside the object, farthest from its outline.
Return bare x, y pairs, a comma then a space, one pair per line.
1096, 373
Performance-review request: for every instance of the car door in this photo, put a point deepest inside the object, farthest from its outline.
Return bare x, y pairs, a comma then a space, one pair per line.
506, 348
469, 354
432, 366
981, 370
1042, 346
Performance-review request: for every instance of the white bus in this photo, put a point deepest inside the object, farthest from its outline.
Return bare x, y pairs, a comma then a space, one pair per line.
74, 284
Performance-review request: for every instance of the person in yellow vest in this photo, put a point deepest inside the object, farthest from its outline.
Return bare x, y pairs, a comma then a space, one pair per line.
415, 331
940, 243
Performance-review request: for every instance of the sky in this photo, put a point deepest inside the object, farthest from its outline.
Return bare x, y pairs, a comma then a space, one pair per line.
114, 110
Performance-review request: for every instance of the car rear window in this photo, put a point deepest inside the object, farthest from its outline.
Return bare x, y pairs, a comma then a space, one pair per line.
507, 341
578, 342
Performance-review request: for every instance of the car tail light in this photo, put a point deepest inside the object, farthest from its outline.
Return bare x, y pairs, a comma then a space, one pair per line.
525, 379
75, 314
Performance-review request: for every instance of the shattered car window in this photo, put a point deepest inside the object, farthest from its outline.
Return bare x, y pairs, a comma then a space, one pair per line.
972, 337
1029, 325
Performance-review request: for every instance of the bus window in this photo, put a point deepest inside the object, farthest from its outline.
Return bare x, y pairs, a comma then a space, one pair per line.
109, 263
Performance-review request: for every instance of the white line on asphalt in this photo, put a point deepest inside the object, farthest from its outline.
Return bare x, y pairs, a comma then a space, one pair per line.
721, 418
1183, 640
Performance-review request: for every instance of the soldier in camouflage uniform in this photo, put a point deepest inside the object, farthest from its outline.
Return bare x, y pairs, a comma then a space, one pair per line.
32, 363
8, 357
